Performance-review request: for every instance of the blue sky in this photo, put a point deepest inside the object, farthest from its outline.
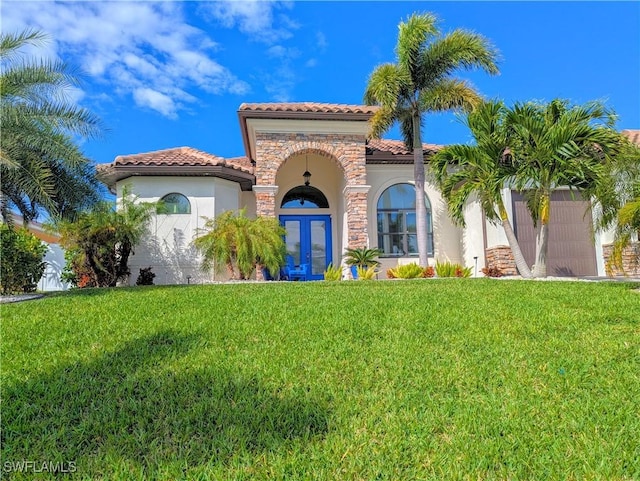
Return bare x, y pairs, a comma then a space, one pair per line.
172, 74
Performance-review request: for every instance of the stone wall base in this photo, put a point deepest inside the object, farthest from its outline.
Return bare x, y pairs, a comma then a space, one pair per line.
502, 258
630, 260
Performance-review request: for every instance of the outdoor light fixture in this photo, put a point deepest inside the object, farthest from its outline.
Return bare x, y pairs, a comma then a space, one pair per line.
307, 174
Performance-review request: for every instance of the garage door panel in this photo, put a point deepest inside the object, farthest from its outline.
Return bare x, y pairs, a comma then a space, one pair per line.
571, 248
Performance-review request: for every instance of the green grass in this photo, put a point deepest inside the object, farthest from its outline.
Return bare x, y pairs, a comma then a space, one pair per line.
427, 379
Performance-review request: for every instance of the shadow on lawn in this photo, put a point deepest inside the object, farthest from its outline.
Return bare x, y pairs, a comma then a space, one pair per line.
125, 407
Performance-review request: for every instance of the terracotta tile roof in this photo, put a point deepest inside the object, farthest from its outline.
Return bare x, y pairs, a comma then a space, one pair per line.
309, 107
182, 156
633, 135
397, 147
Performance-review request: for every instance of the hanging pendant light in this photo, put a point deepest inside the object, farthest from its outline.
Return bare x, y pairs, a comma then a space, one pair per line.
307, 174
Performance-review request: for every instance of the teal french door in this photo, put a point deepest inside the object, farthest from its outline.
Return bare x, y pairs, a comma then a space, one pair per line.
308, 241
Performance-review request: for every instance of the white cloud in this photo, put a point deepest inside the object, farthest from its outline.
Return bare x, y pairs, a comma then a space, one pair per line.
253, 17
321, 41
146, 97
143, 49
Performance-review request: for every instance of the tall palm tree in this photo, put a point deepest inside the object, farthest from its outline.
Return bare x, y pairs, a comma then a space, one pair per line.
481, 170
557, 145
40, 163
422, 81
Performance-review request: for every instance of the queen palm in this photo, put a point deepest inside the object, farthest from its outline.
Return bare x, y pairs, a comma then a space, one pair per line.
40, 163
557, 145
422, 81
480, 170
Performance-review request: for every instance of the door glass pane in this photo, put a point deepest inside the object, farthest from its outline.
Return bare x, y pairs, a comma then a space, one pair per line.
293, 239
318, 246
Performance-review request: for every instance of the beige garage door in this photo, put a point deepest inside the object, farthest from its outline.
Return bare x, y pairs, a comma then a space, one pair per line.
571, 250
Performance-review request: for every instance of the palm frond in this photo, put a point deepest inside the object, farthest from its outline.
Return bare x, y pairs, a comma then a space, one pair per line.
457, 50
449, 94
412, 39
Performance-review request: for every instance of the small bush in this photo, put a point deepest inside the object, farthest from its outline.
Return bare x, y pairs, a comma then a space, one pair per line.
145, 278
428, 271
366, 273
407, 271
391, 274
450, 269
21, 265
492, 271
333, 273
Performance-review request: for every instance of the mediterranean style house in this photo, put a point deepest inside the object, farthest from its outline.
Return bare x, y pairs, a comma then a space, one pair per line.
311, 166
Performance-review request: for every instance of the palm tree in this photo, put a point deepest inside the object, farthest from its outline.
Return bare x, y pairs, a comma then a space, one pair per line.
556, 145
422, 81
462, 171
103, 238
40, 163
617, 198
241, 244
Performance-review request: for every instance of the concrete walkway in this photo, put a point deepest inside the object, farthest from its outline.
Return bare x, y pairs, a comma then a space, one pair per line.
19, 298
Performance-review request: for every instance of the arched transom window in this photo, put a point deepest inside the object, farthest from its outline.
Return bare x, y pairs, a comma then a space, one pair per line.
174, 203
305, 197
397, 222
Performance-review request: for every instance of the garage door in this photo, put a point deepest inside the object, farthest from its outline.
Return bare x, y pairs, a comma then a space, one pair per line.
571, 250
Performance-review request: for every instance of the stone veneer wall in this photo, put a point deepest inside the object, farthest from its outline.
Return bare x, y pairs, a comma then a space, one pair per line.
630, 259
347, 150
502, 258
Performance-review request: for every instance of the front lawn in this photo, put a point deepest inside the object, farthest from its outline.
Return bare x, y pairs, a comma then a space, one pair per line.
428, 379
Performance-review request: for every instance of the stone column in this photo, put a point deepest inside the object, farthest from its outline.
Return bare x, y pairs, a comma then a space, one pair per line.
265, 200
356, 207
265, 207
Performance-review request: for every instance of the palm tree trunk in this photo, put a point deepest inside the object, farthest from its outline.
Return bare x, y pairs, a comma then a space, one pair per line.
421, 208
542, 237
518, 257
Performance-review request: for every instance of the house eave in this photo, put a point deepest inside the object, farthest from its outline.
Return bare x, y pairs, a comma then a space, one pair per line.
113, 174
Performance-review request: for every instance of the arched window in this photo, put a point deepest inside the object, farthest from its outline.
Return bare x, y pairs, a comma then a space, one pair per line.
304, 197
397, 222
174, 203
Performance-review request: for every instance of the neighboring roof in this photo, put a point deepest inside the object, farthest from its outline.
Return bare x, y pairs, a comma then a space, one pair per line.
37, 229
633, 135
387, 151
309, 107
180, 161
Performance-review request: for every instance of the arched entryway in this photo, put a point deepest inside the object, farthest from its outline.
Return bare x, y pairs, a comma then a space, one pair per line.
308, 203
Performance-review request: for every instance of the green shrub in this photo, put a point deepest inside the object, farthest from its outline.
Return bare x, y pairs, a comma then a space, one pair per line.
145, 278
333, 273
366, 273
362, 256
450, 269
21, 264
406, 271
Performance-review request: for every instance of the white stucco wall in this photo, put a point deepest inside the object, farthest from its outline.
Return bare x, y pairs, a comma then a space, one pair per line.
54, 259
169, 249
